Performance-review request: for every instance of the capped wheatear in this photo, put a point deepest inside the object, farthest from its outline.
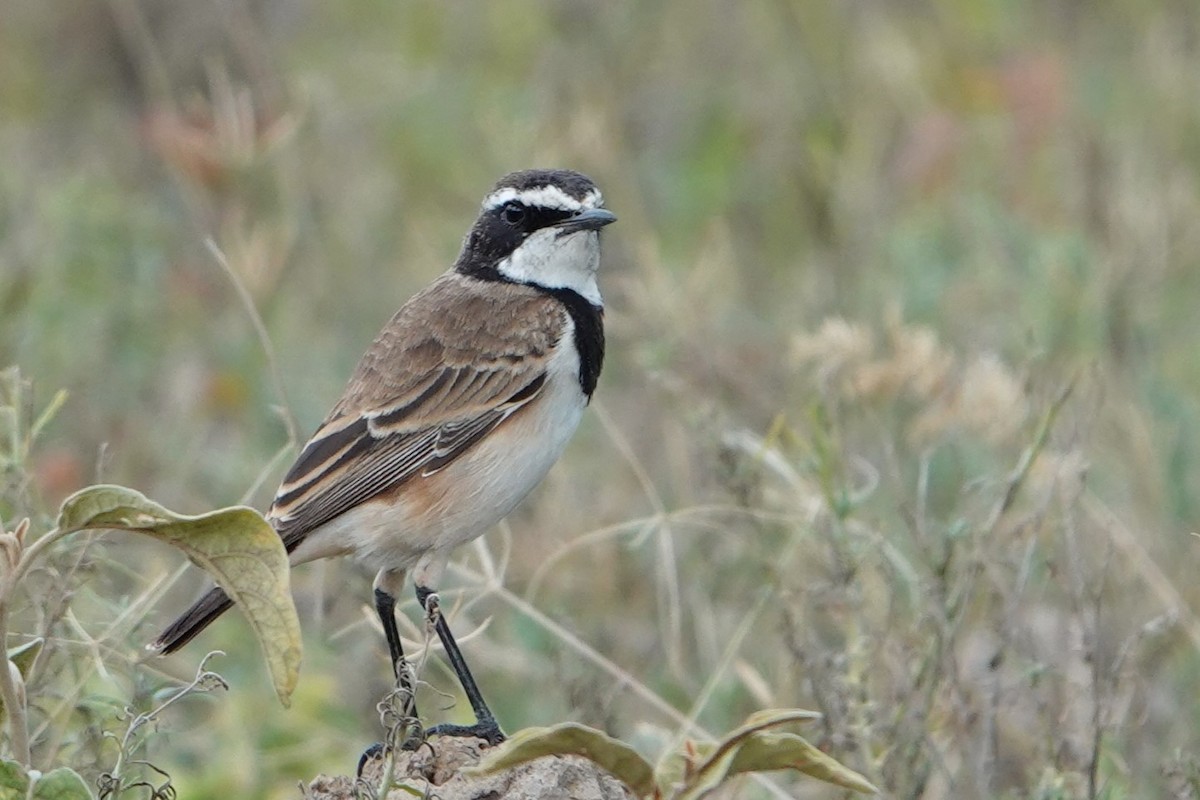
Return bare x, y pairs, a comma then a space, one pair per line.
456, 411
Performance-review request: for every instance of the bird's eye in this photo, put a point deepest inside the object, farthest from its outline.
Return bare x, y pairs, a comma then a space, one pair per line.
513, 213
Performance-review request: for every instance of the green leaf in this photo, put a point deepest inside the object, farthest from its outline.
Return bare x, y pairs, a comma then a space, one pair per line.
20, 659
675, 769
710, 775
699, 769
770, 718
14, 783
723, 752
25, 654
571, 738
18, 684
60, 784
236, 546
769, 751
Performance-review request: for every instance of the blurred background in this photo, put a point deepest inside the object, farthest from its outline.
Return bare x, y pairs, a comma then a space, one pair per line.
899, 420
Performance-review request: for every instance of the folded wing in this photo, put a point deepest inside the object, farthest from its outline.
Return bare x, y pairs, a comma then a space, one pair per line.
426, 391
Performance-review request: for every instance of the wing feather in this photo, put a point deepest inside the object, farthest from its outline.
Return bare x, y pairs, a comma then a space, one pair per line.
449, 368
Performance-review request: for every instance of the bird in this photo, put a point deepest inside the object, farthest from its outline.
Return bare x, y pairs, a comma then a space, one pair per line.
457, 410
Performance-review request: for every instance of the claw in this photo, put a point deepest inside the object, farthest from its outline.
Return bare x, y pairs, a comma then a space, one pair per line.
373, 752
485, 729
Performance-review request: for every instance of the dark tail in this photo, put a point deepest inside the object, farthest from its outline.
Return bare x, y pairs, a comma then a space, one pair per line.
194, 620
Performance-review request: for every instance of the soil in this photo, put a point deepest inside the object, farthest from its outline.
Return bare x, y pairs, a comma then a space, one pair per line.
435, 770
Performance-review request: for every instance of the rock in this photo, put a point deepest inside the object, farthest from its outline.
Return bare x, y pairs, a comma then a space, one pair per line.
437, 766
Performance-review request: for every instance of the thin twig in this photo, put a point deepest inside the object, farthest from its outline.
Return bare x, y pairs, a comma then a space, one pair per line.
205, 680
727, 658
1151, 573
666, 546
264, 338
591, 654
13, 703
680, 515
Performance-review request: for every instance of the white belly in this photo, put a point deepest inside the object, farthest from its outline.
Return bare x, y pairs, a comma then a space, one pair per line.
468, 497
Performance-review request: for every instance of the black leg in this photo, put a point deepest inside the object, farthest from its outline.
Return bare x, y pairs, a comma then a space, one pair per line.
385, 606
370, 754
485, 726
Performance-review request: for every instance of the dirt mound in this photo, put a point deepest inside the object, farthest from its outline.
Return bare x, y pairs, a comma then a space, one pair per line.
437, 766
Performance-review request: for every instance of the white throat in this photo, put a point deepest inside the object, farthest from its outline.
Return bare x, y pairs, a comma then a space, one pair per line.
557, 262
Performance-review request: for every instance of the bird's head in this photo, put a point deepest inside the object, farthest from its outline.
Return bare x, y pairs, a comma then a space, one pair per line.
539, 227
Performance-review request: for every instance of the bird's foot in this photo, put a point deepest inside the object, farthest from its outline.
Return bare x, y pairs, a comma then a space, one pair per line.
485, 729
377, 750
380, 749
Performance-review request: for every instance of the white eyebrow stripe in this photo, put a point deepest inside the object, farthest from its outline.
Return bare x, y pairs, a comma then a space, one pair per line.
541, 197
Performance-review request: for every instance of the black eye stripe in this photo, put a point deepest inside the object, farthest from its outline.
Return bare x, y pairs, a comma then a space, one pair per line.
498, 232
535, 217
513, 213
